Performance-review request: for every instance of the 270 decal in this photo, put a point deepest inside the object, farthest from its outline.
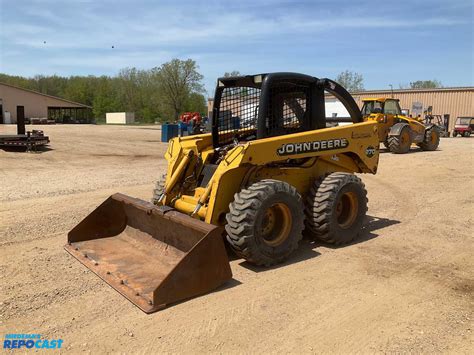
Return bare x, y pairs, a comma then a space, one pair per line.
370, 151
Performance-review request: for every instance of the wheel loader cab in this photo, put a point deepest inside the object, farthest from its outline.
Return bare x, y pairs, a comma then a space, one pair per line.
371, 106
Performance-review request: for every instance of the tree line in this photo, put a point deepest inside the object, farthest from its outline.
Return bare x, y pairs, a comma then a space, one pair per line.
156, 94
354, 82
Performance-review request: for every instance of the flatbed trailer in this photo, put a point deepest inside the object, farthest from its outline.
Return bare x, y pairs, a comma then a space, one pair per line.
30, 140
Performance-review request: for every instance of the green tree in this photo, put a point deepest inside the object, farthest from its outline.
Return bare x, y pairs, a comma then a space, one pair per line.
425, 84
196, 102
352, 81
128, 88
105, 97
52, 85
177, 80
160, 93
80, 89
19, 81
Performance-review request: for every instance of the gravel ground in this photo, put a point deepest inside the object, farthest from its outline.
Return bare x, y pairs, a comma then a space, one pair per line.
405, 286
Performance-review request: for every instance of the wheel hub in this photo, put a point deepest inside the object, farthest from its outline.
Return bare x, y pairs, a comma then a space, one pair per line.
347, 209
276, 224
404, 138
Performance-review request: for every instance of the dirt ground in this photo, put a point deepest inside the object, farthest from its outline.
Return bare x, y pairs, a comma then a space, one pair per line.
405, 286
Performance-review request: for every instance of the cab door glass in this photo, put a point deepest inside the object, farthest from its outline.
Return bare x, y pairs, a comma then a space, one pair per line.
391, 108
371, 107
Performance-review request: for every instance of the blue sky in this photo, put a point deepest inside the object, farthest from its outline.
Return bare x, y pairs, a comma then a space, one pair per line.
387, 42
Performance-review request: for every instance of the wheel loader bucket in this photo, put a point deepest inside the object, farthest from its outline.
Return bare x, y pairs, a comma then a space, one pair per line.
152, 255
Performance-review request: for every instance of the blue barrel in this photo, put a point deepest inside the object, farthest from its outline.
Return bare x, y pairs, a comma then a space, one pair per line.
168, 131
235, 122
182, 127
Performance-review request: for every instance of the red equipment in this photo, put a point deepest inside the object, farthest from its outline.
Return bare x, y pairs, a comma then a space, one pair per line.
187, 117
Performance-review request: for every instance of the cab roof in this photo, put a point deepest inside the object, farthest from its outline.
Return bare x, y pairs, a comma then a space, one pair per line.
379, 99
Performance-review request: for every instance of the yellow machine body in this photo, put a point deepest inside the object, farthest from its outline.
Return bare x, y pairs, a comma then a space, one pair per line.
356, 151
387, 118
159, 253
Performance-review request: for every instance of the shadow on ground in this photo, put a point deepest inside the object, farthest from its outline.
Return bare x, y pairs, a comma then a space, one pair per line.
307, 246
38, 150
149, 128
411, 151
229, 284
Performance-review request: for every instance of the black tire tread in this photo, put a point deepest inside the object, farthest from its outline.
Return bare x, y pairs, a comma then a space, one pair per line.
242, 214
158, 190
395, 146
319, 202
425, 145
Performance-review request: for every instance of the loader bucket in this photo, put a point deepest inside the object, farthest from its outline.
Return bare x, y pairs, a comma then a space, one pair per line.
152, 255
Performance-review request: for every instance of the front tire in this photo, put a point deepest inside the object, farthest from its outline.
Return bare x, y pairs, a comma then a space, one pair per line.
431, 139
265, 222
336, 208
159, 188
401, 143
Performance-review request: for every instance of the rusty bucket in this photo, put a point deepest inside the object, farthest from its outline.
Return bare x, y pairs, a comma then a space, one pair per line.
152, 255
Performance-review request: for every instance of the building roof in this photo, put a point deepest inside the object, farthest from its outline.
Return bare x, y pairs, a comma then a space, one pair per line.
53, 97
380, 93
455, 88
380, 99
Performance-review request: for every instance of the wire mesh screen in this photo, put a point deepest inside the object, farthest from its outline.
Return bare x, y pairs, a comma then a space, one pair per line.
288, 109
238, 112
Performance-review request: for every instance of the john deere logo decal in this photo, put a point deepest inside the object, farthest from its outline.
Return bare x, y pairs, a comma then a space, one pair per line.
370, 151
316, 146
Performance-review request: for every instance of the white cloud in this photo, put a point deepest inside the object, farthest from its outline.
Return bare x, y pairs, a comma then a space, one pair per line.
88, 29
245, 35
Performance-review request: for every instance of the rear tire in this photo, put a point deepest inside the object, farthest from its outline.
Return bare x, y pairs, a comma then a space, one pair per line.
467, 134
159, 188
431, 139
336, 208
265, 222
401, 143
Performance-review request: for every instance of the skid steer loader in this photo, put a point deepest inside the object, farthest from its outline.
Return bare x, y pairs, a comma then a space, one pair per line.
269, 169
396, 131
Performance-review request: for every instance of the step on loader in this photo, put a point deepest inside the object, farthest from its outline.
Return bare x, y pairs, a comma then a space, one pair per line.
269, 169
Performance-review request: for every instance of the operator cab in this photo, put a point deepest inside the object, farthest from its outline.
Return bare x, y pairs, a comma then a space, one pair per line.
381, 106
274, 104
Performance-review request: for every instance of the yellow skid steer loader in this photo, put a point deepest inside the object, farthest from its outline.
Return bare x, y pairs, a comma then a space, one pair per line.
269, 169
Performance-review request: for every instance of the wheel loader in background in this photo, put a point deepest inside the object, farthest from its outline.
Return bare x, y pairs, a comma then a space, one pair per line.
254, 186
396, 131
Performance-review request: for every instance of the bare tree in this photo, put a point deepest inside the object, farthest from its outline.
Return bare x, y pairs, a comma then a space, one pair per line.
352, 81
232, 73
425, 84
